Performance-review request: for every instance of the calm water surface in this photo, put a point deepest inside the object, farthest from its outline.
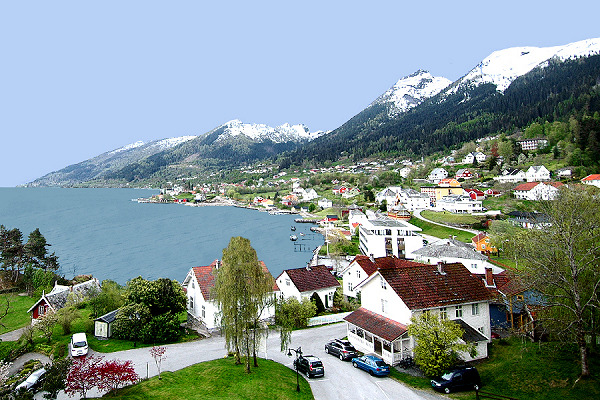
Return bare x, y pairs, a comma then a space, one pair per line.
102, 232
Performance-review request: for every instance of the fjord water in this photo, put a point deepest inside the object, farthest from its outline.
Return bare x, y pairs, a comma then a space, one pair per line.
102, 232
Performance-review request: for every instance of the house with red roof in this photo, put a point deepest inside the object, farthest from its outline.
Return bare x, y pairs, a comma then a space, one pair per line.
537, 190
202, 311
357, 271
483, 244
593, 180
475, 194
400, 289
302, 283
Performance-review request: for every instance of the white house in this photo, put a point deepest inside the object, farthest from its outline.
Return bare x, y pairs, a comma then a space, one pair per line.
437, 174
357, 271
400, 289
356, 218
537, 190
388, 195
511, 175
302, 283
454, 251
202, 311
412, 199
324, 203
384, 236
475, 155
537, 173
459, 203
593, 180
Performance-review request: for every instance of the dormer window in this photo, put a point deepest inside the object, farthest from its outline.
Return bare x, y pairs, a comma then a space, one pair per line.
383, 283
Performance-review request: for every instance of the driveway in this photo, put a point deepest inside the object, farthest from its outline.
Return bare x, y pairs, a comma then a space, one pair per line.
341, 379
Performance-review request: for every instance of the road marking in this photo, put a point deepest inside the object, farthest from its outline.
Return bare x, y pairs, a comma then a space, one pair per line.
382, 391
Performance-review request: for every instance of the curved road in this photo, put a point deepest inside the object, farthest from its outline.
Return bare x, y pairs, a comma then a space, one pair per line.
341, 380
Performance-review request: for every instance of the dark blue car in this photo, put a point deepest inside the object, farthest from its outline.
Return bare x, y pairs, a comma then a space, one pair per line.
372, 364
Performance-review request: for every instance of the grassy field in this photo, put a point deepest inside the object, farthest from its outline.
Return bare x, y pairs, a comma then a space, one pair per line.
221, 379
441, 231
17, 316
445, 217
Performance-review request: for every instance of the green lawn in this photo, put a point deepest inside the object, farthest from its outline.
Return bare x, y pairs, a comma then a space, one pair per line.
221, 379
442, 232
445, 217
17, 316
528, 371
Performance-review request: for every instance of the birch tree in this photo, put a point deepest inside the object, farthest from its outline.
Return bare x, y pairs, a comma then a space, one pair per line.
241, 292
562, 261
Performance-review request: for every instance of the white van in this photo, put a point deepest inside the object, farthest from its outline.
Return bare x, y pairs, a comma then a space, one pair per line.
79, 345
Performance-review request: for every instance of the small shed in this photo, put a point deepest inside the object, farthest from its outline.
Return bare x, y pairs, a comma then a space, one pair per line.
103, 325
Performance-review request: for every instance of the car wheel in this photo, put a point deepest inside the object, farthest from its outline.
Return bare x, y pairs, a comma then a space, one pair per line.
342, 357
326, 350
371, 372
476, 386
446, 390
355, 365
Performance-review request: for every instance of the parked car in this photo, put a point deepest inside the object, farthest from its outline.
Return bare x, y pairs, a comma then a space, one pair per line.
79, 345
310, 365
495, 335
33, 381
342, 349
372, 364
462, 378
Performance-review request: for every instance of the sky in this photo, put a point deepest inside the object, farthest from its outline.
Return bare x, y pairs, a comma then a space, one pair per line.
80, 78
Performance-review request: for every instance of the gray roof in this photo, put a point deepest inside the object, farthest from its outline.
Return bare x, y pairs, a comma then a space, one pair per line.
470, 334
109, 317
57, 298
389, 222
450, 248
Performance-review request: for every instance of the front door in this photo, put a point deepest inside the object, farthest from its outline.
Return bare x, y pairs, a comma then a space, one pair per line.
377, 345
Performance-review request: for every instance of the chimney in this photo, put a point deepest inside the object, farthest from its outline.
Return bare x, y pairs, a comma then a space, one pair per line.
216, 264
371, 257
489, 277
440, 267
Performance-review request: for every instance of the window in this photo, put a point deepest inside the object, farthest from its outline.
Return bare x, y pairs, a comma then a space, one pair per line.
41, 310
473, 266
287, 282
475, 309
191, 303
358, 273
203, 312
520, 297
383, 305
383, 283
443, 313
458, 311
350, 286
193, 284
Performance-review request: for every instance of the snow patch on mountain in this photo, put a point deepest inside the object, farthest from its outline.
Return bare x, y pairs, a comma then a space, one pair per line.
162, 144
504, 66
411, 91
261, 132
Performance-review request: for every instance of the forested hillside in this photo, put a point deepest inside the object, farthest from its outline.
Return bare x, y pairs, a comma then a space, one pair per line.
563, 91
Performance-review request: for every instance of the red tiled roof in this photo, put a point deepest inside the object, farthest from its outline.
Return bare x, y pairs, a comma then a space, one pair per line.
313, 278
376, 324
526, 186
421, 286
206, 279
593, 177
479, 237
366, 264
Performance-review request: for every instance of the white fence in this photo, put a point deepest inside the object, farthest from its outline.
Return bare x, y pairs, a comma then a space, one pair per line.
327, 319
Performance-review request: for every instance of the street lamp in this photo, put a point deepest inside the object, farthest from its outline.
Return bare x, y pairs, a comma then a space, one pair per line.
298, 352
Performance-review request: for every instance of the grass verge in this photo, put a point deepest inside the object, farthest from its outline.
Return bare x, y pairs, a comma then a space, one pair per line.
17, 316
441, 232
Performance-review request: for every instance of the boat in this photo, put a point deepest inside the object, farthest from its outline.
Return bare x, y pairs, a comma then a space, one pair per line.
293, 238
301, 234
293, 228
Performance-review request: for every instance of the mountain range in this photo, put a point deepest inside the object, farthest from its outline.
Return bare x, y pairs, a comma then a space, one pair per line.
419, 115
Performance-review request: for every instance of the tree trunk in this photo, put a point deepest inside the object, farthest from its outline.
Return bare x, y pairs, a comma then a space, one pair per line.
583, 354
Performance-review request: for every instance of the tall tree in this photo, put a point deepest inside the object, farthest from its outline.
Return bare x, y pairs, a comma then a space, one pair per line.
241, 292
562, 261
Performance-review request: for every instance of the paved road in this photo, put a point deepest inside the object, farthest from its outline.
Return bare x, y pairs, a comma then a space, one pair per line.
341, 380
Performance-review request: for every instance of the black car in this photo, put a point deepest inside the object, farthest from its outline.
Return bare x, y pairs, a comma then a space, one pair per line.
310, 365
463, 378
342, 349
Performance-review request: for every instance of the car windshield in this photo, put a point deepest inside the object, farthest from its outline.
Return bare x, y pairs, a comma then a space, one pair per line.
79, 344
447, 376
317, 364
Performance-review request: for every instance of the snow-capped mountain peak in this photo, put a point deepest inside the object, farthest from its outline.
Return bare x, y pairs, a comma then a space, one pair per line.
260, 132
411, 90
163, 144
504, 66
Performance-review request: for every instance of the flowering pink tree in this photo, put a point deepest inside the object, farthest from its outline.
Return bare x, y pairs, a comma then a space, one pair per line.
158, 353
115, 374
84, 374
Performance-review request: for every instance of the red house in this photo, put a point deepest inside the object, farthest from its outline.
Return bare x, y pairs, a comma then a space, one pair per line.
475, 194
58, 296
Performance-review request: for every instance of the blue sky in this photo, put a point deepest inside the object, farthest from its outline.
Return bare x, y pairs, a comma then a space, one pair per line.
79, 78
